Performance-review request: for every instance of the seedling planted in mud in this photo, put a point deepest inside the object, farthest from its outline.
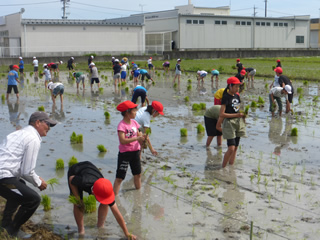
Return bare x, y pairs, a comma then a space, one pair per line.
74, 138
251, 177
73, 160
101, 148
46, 202
59, 164
260, 100
294, 132
189, 87
254, 104
41, 108
186, 99
200, 129
127, 89
183, 132
107, 115
246, 110
51, 182
196, 107
189, 81
203, 106
299, 90
3, 98
175, 85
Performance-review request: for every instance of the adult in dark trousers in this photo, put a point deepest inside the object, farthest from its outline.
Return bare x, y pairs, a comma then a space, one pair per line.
18, 158
71, 65
140, 91
283, 81
239, 65
85, 176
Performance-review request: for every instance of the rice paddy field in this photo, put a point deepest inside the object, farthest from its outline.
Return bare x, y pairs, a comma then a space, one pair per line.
273, 188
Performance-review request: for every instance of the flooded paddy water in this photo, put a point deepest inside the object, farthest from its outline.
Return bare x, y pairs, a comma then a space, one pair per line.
185, 194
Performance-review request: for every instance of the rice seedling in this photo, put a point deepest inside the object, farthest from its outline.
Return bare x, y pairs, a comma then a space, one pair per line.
101, 148
253, 104
123, 83
186, 99
189, 87
74, 138
31, 73
131, 77
127, 89
51, 182
183, 132
74, 200
101, 89
315, 98
107, 115
3, 98
175, 85
196, 107
73, 160
220, 68
200, 129
299, 90
246, 110
266, 86
294, 132
153, 83
190, 192
260, 100
251, 177
46, 202
27, 80
189, 81
233, 67
41, 108
90, 204
305, 83
203, 106
59, 164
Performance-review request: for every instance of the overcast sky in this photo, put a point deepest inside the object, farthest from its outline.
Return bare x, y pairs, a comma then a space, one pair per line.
102, 9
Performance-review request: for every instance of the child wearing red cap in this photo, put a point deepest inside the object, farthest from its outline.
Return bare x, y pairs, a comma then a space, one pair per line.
13, 78
233, 126
283, 81
239, 65
143, 117
240, 75
85, 176
129, 145
278, 63
150, 65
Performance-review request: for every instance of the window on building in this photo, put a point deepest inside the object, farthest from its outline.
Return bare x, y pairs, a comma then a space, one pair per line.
249, 23
258, 23
285, 24
299, 39
275, 24
189, 21
237, 22
243, 23
195, 21
268, 24
217, 22
263, 23
281, 24
201, 21
224, 22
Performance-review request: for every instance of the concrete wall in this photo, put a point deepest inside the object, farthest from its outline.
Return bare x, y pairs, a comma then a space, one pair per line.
12, 24
162, 25
77, 40
232, 35
241, 53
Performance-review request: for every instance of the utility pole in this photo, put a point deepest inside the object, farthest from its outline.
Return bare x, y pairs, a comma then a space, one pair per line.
254, 11
265, 8
65, 5
141, 5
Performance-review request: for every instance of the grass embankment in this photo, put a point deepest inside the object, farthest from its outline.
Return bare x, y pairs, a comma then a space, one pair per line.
296, 68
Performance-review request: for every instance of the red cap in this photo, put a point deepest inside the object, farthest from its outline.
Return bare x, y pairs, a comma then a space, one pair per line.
243, 72
150, 57
15, 66
213, 69
238, 60
132, 62
103, 191
158, 107
278, 70
233, 80
278, 60
124, 106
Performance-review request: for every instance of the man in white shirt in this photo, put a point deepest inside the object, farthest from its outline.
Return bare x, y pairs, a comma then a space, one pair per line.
35, 64
275, 94
18, 157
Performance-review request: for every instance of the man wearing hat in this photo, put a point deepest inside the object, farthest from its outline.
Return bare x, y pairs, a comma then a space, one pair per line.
35, 64
12, 81
85, 176
18, 157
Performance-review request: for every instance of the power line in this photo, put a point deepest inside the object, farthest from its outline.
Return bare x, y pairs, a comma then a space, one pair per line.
241, 9
23, 4
91, 5
95, 11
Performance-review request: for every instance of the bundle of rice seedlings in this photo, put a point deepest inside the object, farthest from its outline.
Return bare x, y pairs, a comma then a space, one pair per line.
101, 148
73, 160
183, 132
59, 164
200, 129
46, 202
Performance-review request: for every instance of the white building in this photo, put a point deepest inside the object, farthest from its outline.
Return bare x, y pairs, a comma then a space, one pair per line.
194, 28
57, 37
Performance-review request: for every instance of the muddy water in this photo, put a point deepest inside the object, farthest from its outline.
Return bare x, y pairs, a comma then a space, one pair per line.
185, 194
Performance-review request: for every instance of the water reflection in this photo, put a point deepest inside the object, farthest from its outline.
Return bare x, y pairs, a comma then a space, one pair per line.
56, 114
14, 114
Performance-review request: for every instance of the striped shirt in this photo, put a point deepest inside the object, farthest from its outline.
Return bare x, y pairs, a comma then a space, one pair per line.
18, 155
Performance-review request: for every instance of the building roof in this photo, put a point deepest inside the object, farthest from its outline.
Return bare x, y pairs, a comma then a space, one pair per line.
126, 21
303, 18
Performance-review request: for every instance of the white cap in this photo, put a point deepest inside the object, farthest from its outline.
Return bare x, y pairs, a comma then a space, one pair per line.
20, 57
60, 62
49, 84
34, 57
44, 65
72, 58
92, 64
92, 57
112, 57
117, 60
178, 59
199, 71
288, 88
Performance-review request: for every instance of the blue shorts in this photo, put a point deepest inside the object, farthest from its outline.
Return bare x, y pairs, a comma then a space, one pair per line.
58, 90
150, 66
136, 73
139, 93
123, 74
203, 75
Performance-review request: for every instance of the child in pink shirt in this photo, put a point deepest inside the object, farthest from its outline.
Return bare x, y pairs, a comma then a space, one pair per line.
129, 147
